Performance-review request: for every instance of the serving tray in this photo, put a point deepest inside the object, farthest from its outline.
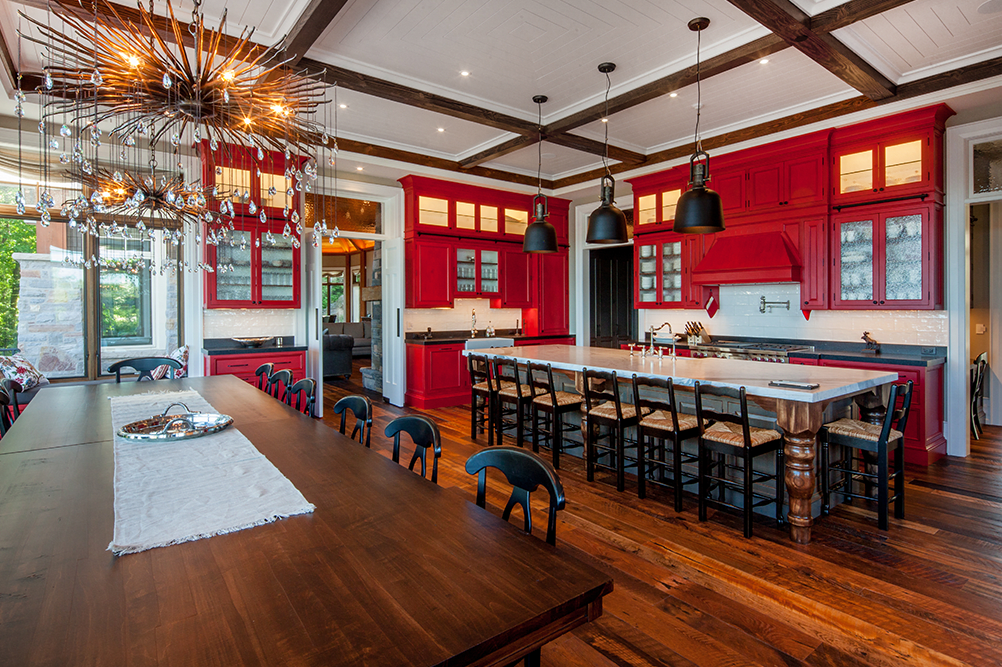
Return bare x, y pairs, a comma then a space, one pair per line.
177, 426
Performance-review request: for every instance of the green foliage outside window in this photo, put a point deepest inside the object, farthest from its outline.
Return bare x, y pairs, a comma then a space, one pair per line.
15, 236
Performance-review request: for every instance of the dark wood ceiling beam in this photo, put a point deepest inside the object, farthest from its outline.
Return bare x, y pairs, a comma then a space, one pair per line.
790, 23
956, 77
494, 152
311, 24
586, 145
396, 92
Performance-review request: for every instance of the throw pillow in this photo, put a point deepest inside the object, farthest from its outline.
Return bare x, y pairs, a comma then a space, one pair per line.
16, 367
180, 354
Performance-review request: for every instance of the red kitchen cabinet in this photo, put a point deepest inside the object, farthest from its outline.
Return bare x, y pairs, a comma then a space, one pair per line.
655, 198
664, 266
888, 256
429, 269
889, 157
793, 182
925, 442
553, 304
257, 267
811, 236
436, 376
803, 362
244, 365
516, 279
730, 185
477, 271
458, 210
250, 180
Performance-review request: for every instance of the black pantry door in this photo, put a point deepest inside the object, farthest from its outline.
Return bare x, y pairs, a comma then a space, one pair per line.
613, 318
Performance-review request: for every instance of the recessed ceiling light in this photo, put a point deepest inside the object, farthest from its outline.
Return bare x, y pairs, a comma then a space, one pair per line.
343, 106
673, 95
358, 168
464, 73
763, 61
441, 129
605, 120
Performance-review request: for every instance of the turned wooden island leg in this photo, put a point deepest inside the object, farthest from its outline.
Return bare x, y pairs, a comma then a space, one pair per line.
800, 422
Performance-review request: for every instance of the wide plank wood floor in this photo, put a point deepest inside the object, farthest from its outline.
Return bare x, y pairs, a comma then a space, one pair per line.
926, 592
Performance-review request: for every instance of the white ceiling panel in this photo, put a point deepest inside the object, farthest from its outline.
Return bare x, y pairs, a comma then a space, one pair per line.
925, 37
815, 7
746, 95
515, 49
375, 120
558, 161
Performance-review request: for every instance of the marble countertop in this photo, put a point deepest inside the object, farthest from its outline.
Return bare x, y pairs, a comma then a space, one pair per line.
755, 376
446, 337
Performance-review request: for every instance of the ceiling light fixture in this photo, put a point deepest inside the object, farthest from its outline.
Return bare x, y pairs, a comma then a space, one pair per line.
343, 106
441, 129
699, 211
673, 95
359, 168
540, 236
464, 73
607, 224
763, 61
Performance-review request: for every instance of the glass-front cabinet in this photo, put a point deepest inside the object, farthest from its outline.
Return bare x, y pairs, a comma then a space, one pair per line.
654, 204
257, 267
888, 258
477, 273
663, 271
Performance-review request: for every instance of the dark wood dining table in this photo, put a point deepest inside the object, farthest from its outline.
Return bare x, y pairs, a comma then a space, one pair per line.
389, 570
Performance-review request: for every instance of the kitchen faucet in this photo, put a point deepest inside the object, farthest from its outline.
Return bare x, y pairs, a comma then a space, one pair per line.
653, 329
473, 324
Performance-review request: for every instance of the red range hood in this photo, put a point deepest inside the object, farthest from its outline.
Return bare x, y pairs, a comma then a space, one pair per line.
768, 257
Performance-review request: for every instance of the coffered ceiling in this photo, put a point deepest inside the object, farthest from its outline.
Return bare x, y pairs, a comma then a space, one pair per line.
400, 67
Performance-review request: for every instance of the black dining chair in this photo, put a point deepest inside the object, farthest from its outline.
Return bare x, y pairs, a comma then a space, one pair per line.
6, 421
12, 389
264, 372
145, 367
361, 408
660, 423
424, 433
278, 383
878, 439
526, 472
731, 435
302, 396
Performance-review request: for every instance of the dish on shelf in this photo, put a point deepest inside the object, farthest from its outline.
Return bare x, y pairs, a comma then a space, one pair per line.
256, 341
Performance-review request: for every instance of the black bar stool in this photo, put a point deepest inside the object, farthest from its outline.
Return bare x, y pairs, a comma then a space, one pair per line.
659, 423
604, 408
554, 405
731, 435
511, 401
481, 401
876, 439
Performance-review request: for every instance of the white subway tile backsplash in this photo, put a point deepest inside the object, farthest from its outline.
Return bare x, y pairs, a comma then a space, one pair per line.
739, 316
223, 323
458, 318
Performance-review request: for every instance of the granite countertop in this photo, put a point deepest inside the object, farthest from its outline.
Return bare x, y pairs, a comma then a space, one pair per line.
446, 337
220, 346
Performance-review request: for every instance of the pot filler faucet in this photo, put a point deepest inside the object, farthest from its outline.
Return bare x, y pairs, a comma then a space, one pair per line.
653, 329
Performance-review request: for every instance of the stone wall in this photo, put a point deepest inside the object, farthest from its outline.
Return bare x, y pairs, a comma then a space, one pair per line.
50, 326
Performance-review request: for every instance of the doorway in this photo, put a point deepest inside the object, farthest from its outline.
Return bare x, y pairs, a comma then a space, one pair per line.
613, 318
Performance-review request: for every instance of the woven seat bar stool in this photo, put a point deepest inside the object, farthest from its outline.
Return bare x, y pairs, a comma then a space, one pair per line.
511, 400
481, 399
603, 407
880, 440
553, 405
661, 423
725, 434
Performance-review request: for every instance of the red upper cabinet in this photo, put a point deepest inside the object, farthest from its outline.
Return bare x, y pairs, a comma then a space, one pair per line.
430, 268
655, 198
258, 267
730, 184
889, 157
888, 257
664, 266
255, 179
553, 293
433, 206
797, 181
477, 272
516, 279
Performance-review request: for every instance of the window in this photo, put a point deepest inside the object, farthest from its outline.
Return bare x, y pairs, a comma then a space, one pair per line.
332, 294
125, 289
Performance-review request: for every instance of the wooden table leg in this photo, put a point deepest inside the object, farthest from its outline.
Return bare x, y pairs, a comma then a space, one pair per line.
800, 422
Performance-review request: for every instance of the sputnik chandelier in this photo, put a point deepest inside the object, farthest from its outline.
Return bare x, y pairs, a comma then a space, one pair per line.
158, 86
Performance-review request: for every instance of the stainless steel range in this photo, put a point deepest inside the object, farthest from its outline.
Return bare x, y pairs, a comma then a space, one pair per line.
774, 352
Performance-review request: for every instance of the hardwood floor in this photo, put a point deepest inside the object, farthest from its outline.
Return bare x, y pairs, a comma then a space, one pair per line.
925, 592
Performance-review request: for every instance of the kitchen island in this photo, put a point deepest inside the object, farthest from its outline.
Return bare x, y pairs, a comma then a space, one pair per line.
798, 411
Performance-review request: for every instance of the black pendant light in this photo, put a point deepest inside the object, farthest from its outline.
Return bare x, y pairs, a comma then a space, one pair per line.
540, 236
699, 211
607, 224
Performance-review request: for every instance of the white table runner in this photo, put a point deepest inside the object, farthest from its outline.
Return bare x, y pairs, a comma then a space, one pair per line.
172, 492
